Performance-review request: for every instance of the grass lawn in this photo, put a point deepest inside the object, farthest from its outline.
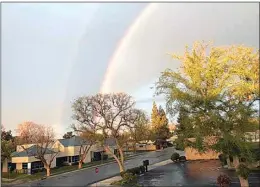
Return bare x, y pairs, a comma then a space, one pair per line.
12, 175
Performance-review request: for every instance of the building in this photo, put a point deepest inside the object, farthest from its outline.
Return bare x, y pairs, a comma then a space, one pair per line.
64, 151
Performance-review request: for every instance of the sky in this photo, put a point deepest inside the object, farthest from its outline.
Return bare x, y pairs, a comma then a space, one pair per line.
52, 53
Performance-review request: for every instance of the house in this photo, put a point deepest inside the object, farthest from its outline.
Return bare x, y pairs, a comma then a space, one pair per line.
25, 161
66, 152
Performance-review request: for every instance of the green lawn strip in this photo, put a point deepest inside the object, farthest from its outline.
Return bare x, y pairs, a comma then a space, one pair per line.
11, 175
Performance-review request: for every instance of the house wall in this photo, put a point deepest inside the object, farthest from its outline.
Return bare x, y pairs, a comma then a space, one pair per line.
70, 151
57, 145
19, 166
19, 159
193, 154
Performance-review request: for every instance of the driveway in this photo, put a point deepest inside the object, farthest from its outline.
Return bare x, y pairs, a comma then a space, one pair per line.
88, 176
193, 173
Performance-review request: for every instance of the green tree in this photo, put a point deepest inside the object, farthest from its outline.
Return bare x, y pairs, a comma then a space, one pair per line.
7, 144
68, 135
160, 127
6, 135
155, 118
217, 87
141, 130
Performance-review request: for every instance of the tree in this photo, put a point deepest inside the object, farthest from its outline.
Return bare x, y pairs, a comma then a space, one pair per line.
38, 141
160, 127
68, 135
112, 115
88, 137
6, 135
155, 118
141, 130
7, 144
7, 147
212, 83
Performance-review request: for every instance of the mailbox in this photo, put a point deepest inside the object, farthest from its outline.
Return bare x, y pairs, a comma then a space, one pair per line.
146, 162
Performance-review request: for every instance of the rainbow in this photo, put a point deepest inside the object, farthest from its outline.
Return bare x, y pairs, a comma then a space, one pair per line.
112, 65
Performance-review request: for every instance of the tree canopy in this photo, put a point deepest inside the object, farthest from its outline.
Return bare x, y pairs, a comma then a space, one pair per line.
214, 91
68, 135
112, 115
159, 123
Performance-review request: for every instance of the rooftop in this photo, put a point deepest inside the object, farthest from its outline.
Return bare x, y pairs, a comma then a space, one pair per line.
31, 151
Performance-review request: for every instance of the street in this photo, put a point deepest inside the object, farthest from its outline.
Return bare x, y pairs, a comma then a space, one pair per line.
195, 173
88, 176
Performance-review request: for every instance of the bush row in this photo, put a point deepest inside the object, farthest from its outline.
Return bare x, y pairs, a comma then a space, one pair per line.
176, 157
135, 171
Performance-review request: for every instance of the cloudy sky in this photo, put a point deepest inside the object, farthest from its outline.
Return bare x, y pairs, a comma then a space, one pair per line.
53, 53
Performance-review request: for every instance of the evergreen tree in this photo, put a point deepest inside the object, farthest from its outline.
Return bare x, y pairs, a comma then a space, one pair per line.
159, 124
163, 118
155, 118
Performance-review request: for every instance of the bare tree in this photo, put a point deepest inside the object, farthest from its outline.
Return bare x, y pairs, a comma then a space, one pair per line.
87, 140
110, 115
38, 141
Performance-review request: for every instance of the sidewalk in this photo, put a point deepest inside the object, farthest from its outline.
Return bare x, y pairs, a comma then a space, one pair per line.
108, 181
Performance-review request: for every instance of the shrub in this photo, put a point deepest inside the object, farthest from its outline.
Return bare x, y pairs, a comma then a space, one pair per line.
129, 178
223, 180
134, 171
243, 171
175, 156
182, 158
142, 169
179, 146
122, 174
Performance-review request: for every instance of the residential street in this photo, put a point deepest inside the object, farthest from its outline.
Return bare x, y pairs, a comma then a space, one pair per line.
189, 174
88, 176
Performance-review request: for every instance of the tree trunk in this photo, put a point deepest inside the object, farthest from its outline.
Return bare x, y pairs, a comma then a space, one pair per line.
80, 164
243, 182
236, 161
229, 163
121, 165
121, 155
134, 147
48, 170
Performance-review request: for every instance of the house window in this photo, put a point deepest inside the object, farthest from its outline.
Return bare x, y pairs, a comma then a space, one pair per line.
24, 166
75, 158
37, 165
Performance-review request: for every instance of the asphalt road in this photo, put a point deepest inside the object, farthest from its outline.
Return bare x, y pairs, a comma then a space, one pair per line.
192, 174
88, 176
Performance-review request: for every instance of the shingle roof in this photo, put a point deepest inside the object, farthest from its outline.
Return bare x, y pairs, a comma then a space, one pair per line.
74, 141
32, 152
